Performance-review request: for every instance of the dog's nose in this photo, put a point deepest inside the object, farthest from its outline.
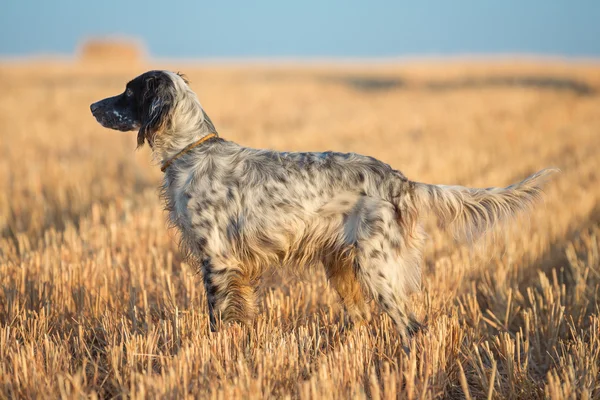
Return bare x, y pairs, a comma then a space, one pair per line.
93, 107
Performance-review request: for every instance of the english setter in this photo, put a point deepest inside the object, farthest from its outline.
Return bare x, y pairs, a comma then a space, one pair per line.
242, 211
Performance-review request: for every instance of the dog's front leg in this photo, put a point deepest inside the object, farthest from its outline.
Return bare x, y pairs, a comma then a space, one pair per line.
229, 291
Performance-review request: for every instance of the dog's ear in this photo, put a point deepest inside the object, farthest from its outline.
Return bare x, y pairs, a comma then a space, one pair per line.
185, 79
157, 104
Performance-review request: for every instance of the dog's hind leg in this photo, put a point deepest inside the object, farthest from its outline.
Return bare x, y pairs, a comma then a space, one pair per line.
341, 275
229, 291
388, 261
381, 274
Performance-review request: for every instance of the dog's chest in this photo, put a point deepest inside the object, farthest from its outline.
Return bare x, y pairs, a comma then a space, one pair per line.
198, 207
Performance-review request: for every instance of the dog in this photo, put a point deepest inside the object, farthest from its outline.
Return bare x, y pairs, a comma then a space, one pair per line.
242, 211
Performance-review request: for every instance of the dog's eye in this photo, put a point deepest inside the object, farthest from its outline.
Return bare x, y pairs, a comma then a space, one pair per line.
129, 92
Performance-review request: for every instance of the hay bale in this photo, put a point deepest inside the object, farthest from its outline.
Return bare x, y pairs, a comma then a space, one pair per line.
115, 51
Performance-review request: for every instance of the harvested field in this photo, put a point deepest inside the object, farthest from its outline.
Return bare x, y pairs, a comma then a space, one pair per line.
96, 300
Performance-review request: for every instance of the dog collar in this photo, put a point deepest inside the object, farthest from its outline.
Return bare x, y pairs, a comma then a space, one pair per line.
187, 148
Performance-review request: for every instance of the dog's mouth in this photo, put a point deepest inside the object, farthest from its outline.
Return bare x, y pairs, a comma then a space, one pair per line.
115, 121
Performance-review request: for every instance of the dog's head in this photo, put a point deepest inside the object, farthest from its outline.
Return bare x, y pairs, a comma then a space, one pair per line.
146, 105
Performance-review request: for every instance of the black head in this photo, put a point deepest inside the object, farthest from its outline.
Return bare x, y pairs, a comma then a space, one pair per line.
146, 104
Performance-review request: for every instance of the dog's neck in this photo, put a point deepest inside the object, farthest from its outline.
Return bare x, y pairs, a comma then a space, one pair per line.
189, 124
185, 150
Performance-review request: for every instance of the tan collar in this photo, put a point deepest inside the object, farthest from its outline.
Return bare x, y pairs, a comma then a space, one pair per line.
187, 148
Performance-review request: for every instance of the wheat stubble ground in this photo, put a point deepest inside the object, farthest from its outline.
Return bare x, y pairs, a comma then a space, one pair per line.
96, 301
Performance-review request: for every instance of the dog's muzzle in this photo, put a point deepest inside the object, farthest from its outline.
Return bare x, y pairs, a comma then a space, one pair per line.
105, 113
94, 107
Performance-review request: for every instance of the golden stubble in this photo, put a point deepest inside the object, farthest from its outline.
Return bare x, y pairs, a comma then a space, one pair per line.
96, 300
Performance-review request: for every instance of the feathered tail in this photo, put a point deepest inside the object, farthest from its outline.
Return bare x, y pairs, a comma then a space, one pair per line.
472, 212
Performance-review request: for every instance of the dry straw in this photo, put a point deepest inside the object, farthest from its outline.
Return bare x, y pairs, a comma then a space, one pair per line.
96, 301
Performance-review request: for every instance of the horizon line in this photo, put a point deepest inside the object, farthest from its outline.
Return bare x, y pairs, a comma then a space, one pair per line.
319, 60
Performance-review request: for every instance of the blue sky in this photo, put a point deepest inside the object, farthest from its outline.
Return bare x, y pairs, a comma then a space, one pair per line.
308, 28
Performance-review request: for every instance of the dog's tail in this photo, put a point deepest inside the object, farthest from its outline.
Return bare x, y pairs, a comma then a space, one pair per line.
472, 212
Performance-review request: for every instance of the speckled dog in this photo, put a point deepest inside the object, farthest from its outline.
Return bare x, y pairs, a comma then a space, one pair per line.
242, 211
